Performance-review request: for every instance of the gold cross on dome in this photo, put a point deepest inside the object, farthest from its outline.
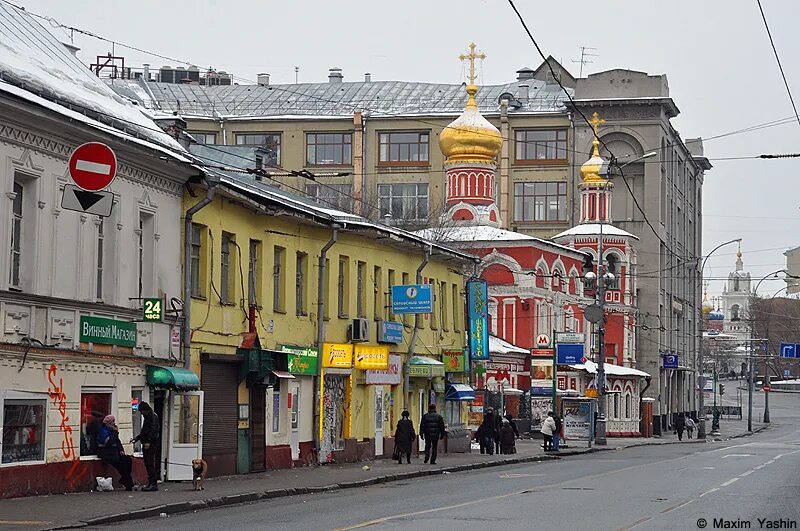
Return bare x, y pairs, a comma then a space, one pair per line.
471, 56
596, 122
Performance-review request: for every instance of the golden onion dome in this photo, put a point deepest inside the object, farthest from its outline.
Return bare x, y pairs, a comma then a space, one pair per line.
590, 170
471, 137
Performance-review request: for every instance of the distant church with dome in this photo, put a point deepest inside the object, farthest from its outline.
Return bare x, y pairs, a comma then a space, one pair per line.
736, 300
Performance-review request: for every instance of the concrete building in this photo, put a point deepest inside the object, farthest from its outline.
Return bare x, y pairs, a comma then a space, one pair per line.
793, 270
73, 347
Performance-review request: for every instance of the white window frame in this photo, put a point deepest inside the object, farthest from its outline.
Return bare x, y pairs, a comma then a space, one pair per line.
114, 411
26, 395
386, 192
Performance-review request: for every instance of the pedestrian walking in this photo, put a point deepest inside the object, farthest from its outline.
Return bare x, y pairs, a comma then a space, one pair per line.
680, 425
513, 425
690, 426
485, 433
150, 437
431, 429
556, 432
498, 425
507, 438
111, 451
547, 429
404, 438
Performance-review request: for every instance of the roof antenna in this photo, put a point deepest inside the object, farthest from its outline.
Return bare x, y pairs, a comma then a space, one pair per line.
585, 52
296, 74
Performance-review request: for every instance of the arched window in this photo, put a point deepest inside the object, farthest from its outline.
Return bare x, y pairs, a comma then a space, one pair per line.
735, 313
540, 276
628, 406
736, 284
612, 266
557, 281
616, 406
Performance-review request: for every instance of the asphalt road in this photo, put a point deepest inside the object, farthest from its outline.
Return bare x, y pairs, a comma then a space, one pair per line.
678, 486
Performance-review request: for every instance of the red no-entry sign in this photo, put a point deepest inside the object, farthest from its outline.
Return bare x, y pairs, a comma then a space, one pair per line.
93, 166
767, 388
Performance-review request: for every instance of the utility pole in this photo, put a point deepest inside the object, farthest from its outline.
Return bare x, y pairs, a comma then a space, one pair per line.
750, 389
600, 429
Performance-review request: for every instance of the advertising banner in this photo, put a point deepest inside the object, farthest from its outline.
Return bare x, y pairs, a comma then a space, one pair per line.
390, 376
578, 419
453, 361
478, 318
302, 360
372, 357
337, 355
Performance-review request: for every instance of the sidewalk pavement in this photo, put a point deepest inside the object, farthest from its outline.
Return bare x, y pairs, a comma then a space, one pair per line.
96, 508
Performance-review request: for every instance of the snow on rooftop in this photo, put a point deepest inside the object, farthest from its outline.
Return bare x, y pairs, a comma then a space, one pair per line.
483, 233
500, 346
609, 369
589, 229
33, 59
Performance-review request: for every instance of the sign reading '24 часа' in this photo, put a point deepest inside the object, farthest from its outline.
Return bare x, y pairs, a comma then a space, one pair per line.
478, 317
412, 298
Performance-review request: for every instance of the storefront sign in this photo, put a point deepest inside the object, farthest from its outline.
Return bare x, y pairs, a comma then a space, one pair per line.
107, 331
577, 419
478, 318
542, 353
390, 332
425, 371
569, 353
302, 360
504, 366
390, 376
337, 355
372, 357
569, 337
412, 298
454, 360
152, 309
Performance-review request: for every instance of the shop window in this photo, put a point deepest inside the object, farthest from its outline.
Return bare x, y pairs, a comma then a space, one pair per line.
452, 412
23, 430
95, 405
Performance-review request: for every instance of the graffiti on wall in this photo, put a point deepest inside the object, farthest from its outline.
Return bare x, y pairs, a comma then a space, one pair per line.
59, 398
333, 415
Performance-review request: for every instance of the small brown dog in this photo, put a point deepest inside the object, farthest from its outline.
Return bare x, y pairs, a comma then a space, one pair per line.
199, 473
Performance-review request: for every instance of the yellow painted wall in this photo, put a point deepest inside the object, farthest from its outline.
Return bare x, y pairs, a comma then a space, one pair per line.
217, 326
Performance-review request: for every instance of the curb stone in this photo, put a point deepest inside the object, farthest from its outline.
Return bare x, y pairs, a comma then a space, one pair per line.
249, 497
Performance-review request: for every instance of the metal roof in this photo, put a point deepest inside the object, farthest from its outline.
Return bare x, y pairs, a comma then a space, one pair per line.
378, 98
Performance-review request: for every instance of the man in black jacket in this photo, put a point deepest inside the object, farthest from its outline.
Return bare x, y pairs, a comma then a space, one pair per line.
431, 429
150, 437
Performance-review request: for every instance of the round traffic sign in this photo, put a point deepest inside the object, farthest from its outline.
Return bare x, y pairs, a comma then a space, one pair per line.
93, 166
767, 388
542, 340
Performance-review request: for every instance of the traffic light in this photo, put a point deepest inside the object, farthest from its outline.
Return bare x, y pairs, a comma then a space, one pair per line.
721, 389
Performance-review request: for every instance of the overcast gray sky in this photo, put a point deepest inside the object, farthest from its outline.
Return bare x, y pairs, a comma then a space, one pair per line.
716, 53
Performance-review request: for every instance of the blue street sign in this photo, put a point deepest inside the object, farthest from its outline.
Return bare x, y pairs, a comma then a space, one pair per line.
786, 373
569, 353
390, 332
788, 350
412, 298
670, 361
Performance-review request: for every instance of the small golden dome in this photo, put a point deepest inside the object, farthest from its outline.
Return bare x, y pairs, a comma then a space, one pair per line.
471, 137
590, 170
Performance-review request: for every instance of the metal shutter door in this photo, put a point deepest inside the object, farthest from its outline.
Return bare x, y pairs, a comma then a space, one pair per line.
220, 382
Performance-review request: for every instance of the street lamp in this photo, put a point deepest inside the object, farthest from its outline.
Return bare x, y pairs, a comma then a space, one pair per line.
701, 419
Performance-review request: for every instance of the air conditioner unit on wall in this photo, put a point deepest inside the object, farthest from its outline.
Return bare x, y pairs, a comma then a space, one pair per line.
359, 330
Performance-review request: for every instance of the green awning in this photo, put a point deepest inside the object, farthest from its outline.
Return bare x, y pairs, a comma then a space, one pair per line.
174, 378
425, 367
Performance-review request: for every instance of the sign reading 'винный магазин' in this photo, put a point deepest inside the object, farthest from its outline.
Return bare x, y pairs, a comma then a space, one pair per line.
107, 331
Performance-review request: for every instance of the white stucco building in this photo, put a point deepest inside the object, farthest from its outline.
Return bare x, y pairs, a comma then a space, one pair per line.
736, 300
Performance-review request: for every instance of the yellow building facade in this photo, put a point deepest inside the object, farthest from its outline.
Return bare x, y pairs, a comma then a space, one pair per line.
257, 258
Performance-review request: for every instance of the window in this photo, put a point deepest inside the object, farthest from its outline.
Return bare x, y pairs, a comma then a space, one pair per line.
338, 196
616, 406
405, 280
329, 148
23, 430
735, 313
361, 295
458, 308
557, 281
736, 284
270, 142
196, 260
540, 145
279, 279
404, 201
227, 286
95, 405
100, 258
300, 289
147, 244
204, 138
627, 406
276, 411
326, 314
391, 279
343, 287
612, 266
254, 272
452, 412
16, 236
540, 201
377, 293
437, 305
403, 149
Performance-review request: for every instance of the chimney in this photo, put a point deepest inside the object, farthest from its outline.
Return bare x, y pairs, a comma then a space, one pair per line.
146, 71
263, 79
335, 75
367, 77
523, 92
525, 73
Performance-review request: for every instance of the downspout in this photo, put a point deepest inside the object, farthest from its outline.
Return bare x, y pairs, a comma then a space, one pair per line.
572, 186
187, 271
641, 396
321, 285
417, 324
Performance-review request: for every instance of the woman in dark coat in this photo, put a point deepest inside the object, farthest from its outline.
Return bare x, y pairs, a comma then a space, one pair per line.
110, 450
403, 438
507, 438
486, 432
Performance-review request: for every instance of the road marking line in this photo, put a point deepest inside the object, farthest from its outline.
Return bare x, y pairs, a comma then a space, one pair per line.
744, 474
23, 522
715, 489
687, 502
635, 524
759, 467
737, 455
93, 167
729, 482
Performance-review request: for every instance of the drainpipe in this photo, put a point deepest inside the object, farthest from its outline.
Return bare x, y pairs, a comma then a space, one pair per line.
572, 186
323, 256
417, 325
187, 271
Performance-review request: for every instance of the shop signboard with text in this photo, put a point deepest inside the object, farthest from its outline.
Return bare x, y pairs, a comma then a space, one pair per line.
337, 355
302, 360
100, 330
389, 376
478, 319
454, 361
371, 357
412, 298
